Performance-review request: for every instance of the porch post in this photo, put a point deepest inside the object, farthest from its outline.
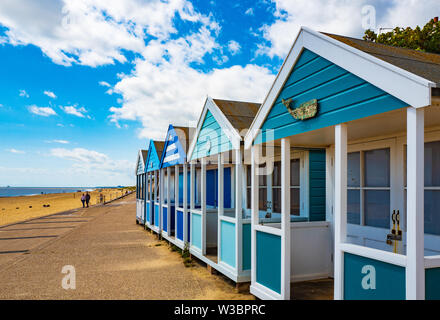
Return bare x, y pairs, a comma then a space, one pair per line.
285, 219
176, 197
221, 203
161, 198
415, 268
238, 210
168, 200
192, 191
185, 201
203, 203
340, 214
255, 212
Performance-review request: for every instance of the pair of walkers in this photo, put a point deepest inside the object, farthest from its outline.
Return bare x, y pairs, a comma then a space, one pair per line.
85, 199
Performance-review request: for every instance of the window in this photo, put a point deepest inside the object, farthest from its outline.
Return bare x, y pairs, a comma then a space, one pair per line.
262, 192
368, 184
432, 187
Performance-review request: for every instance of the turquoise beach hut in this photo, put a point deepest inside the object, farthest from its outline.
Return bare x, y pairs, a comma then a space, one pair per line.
153, 201
220, 227
140, 186
175, 202
363, 120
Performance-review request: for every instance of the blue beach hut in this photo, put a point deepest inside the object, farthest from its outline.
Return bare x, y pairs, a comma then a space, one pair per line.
140, 186
176, 200
153, 202
220, 227
363, 120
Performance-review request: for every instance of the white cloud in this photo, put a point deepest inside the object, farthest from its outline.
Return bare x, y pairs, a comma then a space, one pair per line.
165, 84
234, 47
249, 12
340, 17
50, 94
57, 141
144, 98
15, 151
104, 84
23, 93
92, 32
60, 125
74, 110
89, 162
42, 111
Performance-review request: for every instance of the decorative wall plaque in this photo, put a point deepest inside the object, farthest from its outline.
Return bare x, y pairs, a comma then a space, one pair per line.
305, 111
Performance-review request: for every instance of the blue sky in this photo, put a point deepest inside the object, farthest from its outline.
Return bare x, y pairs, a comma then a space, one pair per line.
86, 83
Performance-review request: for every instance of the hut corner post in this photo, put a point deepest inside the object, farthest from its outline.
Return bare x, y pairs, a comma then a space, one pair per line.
415, 268
255, 212
238, 210
340, 215
192, 193
203, 204
221, 204
285, 219
185, 203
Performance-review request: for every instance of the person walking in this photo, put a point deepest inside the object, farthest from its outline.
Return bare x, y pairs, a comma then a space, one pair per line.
83, 199
87, 199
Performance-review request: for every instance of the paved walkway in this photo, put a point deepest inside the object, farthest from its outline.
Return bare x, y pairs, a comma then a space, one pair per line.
113, 258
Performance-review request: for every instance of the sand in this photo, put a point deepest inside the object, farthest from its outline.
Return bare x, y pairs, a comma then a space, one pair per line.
16, 209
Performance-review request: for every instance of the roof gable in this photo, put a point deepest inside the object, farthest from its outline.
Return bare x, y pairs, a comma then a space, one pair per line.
176, 146
404, 86
341, 96
140, 162
154, 154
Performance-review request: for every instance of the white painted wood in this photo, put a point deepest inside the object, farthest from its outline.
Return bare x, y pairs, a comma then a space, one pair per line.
285, 219
432, 262
340, 207
254, 216
220, 197
168, 195
203, 203
408, 87
239, 209
176, 196
415, 270
185, 202
232, 134
375, 254
161, 197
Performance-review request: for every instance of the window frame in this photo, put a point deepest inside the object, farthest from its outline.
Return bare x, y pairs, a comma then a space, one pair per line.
303, 156
387, 143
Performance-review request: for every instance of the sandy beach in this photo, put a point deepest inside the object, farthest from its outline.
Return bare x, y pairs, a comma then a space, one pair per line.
16, 209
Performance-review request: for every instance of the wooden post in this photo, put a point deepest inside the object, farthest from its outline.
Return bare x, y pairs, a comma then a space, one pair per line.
415, 269
185, 202
221, 203
192, 194
255, 212
239, 210
340, 207
203, 204
285, 219
168, 195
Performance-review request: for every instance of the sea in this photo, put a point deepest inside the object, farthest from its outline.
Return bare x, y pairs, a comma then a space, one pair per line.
26, 191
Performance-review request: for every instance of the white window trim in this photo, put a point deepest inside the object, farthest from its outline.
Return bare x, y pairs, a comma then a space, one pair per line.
303, 156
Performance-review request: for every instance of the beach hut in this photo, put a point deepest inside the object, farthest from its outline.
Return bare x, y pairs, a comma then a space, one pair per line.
153, 201
220, 228
175, 204
140, 186
365, 117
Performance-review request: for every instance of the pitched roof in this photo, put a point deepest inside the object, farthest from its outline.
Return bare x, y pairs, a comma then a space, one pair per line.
239, 114
144, 155
159, 147
185, 135
423, 64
